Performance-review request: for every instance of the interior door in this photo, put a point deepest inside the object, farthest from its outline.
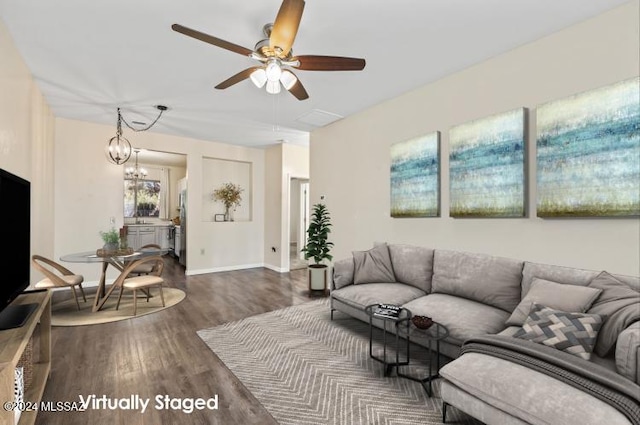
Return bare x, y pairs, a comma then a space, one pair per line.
304, 217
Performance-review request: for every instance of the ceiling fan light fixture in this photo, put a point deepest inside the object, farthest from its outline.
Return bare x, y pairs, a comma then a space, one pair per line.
259, 77
287, 79
273, 71
273, 87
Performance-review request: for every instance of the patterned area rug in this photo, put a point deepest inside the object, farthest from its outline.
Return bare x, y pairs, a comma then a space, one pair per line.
306, 369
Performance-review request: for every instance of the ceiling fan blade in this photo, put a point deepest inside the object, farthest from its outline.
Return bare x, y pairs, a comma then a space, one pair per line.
329, 63
297, 89
240, 76
285, 27
211, 40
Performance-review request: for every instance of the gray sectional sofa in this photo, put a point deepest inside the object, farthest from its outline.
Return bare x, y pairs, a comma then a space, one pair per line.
484, 301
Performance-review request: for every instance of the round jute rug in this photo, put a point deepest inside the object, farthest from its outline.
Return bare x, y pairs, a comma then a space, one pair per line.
66, 313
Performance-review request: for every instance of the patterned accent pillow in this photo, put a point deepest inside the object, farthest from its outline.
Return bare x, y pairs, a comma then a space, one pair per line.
574, 333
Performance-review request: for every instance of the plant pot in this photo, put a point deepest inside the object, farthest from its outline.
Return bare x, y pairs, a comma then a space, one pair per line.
110, 247
317, 277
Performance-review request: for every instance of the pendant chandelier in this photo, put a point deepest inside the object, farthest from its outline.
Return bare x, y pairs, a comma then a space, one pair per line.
118, 148
136, 172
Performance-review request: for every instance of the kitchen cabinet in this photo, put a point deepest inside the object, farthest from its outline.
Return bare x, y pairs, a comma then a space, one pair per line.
138, 236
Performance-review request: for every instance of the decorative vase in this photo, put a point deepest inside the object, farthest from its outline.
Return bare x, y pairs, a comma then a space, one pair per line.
227, 214
110, 246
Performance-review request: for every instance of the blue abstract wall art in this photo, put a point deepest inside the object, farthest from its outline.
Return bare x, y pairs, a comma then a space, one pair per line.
415, 177
588, 153
486, 167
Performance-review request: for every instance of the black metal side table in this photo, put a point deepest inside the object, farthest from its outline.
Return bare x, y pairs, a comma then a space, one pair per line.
389, 363
436, 333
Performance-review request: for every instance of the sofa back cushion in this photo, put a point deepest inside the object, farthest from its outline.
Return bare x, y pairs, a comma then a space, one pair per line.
484, 278
412, 265
373, 266
343, 273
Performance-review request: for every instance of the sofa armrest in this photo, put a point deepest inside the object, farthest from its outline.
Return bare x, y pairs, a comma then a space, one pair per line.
628, 352
342, 273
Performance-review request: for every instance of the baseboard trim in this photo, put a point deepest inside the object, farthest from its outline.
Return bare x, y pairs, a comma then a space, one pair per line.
223, 269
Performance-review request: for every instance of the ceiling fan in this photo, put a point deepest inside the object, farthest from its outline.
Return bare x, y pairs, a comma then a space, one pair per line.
276, 56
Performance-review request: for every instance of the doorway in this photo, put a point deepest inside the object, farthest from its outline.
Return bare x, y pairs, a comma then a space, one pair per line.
298, 222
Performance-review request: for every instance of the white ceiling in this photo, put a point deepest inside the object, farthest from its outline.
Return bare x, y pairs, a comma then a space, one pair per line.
90, 57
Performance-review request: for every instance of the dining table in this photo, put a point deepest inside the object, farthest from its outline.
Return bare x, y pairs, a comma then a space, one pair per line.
119, 262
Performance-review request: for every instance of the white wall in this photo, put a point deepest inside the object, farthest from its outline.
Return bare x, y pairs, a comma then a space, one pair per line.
284, 161
26, 142
350, 158
88, 191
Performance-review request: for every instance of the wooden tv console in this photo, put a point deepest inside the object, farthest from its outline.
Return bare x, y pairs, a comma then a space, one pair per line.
13, 343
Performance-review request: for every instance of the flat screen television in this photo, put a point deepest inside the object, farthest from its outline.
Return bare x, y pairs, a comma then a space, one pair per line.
15, 251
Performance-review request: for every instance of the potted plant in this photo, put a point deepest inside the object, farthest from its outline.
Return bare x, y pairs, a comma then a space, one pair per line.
318, 247
111, 240
230, 195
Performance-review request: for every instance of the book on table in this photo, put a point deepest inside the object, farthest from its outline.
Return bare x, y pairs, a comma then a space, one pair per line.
389, 311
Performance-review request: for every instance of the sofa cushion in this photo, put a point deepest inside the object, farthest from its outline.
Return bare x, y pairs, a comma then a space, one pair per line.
373, 266
571, 298
366, 294
464, 318
628, 353
527, 394
490, 280
621, 306
412, 265
574, 333
343, 273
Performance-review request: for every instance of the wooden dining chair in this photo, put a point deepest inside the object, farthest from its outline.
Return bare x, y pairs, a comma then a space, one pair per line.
57, 276
145, 268
143, 282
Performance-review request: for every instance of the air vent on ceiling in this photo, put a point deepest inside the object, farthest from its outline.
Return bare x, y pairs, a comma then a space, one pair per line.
318, 118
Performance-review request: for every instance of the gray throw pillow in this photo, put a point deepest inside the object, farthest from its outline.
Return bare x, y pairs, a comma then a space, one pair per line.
373, 266
574, 333
621, 306
565, 297
343, 273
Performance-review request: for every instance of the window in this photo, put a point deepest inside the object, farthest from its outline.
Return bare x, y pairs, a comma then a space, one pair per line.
147, 195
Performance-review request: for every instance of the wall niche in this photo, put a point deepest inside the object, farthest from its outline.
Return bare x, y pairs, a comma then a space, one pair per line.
215, 173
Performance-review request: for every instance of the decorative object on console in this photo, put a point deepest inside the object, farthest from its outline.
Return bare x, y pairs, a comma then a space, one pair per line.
415, 177
230, 195
574, 333
588, 147
486, 162
422, 322
318, 247
118, 148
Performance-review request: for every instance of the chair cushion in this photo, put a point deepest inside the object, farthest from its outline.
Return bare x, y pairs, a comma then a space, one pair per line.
143, 268
464, 318
73, 279
142, 281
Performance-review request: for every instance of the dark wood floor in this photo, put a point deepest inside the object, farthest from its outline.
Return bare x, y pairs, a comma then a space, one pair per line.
161, 354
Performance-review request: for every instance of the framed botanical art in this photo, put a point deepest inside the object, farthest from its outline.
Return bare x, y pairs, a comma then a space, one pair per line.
415, 177
486, 167
588, 153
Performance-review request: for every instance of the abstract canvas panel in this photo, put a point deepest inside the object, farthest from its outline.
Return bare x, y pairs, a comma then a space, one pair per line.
588, 153
415, 177
486, 167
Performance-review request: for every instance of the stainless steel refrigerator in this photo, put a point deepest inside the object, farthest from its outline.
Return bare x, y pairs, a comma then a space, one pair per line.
183, 227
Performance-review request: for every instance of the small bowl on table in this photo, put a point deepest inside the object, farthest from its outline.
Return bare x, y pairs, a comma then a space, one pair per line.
422, 322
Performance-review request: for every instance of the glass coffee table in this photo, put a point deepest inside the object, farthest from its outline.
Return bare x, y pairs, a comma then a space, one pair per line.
434, 334
387, 325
